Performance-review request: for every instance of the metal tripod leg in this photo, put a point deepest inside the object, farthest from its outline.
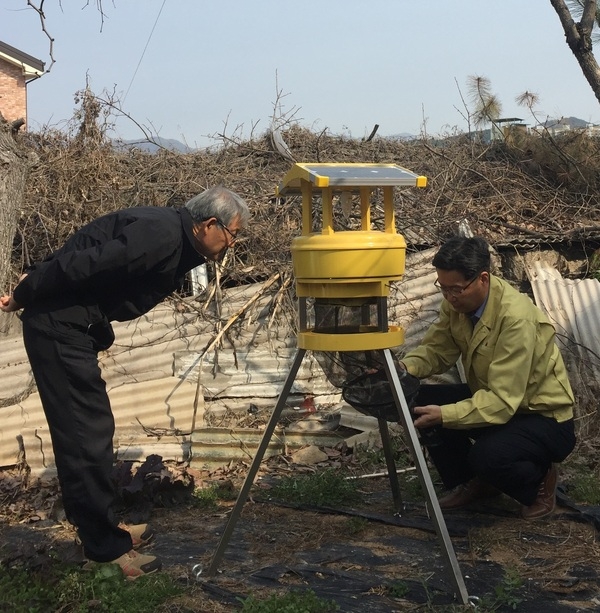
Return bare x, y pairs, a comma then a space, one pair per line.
421, 466
391, 465
262, 448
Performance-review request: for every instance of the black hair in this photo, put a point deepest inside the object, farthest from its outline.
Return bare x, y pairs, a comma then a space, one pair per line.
469, 256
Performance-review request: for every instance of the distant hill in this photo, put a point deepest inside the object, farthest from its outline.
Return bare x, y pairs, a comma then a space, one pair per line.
175, 145
572, 122
401, 136
154, 145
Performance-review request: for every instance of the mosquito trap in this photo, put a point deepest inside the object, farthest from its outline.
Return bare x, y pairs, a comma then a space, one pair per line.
345, 261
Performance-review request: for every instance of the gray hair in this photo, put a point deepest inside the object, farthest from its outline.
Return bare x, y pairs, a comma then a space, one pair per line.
218, 202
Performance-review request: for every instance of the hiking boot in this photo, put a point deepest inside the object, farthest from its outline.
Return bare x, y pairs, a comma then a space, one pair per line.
132, 563
467, 493
545, 503
141, 534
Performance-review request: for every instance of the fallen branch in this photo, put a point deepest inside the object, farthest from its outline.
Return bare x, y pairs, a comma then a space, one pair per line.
382, 474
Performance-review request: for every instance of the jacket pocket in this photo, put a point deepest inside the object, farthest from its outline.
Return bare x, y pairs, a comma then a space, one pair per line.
102, 333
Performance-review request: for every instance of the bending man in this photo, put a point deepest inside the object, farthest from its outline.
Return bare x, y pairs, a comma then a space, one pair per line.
118, 267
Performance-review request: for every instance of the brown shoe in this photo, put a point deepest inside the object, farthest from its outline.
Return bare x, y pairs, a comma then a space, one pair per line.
466, 493
132, 563
141, 534
545, 503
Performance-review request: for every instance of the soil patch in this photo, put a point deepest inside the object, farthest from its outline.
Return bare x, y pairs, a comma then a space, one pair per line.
365, 558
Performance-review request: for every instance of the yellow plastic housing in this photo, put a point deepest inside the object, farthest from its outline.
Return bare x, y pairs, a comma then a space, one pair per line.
364, 340
347, 264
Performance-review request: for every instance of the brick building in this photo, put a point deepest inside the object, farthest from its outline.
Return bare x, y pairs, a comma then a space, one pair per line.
16, 70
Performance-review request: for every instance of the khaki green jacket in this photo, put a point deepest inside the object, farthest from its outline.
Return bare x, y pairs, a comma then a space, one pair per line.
511, 360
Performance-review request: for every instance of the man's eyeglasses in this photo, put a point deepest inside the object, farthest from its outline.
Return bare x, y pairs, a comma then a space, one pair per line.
454, 292
233, 235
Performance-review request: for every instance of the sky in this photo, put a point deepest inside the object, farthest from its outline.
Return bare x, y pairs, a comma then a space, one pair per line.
191, 69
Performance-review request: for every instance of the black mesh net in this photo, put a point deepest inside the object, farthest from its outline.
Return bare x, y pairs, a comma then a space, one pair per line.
360, 374
371, 394
345, 317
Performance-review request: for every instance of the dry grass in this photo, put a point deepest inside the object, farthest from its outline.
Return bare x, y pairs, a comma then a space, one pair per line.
530, 188
555, 557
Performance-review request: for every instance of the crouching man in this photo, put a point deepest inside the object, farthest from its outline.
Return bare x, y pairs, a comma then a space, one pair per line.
507, 427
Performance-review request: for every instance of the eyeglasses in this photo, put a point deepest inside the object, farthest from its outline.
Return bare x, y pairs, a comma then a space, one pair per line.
454, 292
233, 235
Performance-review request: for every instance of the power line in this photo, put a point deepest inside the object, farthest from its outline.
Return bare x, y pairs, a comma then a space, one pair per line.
144, 51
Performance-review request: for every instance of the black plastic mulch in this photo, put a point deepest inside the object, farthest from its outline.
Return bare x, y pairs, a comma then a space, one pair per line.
363, 585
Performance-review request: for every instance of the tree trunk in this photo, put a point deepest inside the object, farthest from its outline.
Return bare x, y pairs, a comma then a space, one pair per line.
579, 39
15, 163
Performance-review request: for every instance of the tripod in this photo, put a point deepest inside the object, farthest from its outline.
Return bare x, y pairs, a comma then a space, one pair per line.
405, 419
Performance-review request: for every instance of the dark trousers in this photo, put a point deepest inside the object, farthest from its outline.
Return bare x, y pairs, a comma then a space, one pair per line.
514, 457
81, 424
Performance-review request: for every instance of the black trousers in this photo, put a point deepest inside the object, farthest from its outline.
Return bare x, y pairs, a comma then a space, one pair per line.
514, 457
81, 424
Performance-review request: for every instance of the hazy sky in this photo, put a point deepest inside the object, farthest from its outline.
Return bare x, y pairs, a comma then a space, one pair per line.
191, 67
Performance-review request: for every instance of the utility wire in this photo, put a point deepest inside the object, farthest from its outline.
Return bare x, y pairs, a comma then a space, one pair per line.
144, 51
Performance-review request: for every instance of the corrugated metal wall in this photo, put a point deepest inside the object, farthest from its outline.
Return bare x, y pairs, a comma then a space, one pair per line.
153, 406
572, 305
158, 367
153, 368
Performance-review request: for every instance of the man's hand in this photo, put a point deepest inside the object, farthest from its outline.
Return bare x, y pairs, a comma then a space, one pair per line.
428, 416
8, 304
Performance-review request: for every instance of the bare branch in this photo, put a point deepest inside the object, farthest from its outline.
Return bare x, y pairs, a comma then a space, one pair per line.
16, 124
373, 132
100, 9
40, 11
588, 17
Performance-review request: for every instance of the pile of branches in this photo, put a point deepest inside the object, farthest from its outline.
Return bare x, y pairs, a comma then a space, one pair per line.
531, 188
527, 187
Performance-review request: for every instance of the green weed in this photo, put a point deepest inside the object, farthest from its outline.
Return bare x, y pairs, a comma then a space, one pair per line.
326, 488
398, 589
411, 485
208, 497
72, 590
585, 488
292, 602
356, 525
594, 265
506, 594
369, 457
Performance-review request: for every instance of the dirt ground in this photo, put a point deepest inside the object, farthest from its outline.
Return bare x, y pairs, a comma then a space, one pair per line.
365, 558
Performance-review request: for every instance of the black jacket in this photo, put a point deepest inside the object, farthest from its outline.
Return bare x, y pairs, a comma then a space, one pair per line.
117, 268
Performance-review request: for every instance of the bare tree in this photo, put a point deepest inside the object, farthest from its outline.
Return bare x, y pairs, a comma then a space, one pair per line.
579, 35
15, 163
